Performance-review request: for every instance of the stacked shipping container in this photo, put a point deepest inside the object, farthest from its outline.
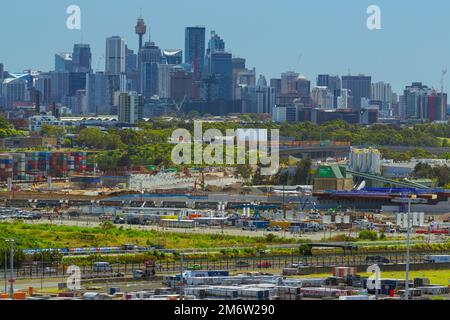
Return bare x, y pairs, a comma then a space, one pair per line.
34, 166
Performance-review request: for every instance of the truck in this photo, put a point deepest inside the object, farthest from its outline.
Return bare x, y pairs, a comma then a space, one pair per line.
437, 259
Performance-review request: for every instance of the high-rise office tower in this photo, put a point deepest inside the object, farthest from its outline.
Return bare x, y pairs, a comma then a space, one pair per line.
181, 83
63, 61
195, 54
115, 56
333, 83
221, 71
81, 58
60, 85
2, 70
416, 101
322, 97
164, 71
13, 90
288, 80
77, 81
130, 60
360, 87
302, 86
215, 43
381, 91
140, 29
131, 107
96, 94
149, 58
43, 84
265, 96
173, 56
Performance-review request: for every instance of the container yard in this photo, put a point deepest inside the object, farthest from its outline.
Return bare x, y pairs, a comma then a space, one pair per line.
251, 287
33, 166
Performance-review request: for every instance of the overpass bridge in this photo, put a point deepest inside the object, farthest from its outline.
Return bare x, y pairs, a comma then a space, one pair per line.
316, 152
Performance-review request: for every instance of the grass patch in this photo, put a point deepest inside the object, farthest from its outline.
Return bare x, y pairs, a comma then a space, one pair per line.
440, 277
52, 236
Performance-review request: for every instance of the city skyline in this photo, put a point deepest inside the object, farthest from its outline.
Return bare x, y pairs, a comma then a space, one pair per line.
397, 61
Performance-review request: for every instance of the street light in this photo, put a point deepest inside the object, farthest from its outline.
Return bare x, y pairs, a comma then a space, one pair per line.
11, 280
408, 200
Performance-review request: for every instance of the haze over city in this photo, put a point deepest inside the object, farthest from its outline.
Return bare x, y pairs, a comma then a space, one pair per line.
310, 37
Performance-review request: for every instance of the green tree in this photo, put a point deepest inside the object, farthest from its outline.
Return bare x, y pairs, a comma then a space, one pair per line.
302, 173
4, 124
244, 170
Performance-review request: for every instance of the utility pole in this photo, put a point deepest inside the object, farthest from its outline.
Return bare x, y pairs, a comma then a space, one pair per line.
408, 200
181, 276
11, 280
408, 240
6, 271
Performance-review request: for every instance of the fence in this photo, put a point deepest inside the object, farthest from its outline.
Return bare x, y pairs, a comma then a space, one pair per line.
38, 270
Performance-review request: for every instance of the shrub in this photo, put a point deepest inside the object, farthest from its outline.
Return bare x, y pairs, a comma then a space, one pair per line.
368, 235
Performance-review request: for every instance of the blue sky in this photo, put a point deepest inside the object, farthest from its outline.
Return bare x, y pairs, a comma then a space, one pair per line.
310, 37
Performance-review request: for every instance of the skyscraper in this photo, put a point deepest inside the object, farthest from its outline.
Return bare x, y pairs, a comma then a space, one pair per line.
43, 84
60, 85
96, 94
265, 96
81, 58
173, 56
221, 71
381, 91
130, 60
164, 71
333, 83
2, 70
180, 85
215, 43
13, 90
288, 82
131, 107
115, 56
360, 87
195, 54
149, 58
63, 61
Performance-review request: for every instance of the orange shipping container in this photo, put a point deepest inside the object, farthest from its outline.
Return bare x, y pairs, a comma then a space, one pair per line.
19, 296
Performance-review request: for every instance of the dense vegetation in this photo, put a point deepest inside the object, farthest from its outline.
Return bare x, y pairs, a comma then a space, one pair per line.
440, 173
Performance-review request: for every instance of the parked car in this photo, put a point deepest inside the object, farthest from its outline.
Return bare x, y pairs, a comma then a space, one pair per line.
74, 214
102, 267
297, 265
249, 227
274, 228
377, 259
437, 259
105, 217
264, 265
49, 270
119, 220
3, 217
242, 264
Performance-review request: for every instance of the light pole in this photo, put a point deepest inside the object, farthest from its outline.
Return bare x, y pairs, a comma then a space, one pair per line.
181, 276
6, 271
11, 280
408, 200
